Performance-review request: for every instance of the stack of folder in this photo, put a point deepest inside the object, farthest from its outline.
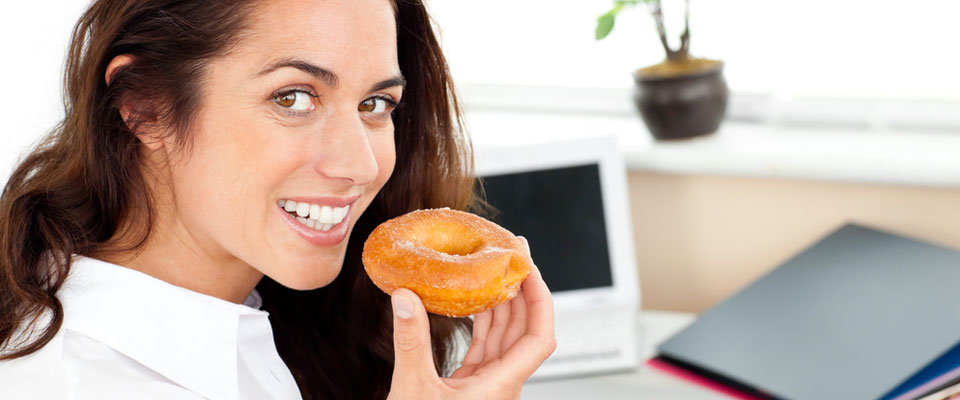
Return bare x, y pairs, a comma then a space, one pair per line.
862, 314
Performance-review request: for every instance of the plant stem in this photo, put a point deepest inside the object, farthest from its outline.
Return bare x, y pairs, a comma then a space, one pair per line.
681, 54
685, 36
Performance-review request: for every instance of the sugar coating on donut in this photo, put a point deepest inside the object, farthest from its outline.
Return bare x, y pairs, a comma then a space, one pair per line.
458, 263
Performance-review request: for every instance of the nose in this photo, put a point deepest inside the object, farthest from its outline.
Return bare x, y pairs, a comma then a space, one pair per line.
346, 152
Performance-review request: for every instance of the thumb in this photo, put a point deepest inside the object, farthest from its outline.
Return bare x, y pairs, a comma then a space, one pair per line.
413, 354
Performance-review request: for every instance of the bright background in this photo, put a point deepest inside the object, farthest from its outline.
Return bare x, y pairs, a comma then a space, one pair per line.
802, 57
819, 48
840, 110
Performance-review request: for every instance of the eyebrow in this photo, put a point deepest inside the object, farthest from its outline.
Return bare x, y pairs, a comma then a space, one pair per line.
326, 76
322, 74
388, 83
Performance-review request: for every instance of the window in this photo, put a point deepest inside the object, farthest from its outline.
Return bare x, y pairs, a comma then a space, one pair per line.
875, 64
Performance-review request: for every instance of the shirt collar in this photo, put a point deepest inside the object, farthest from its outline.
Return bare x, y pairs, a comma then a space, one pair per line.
188, 337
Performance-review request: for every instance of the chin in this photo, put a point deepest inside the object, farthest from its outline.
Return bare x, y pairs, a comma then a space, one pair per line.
308, 276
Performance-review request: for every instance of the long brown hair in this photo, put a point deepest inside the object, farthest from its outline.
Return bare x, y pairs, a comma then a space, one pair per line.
82, 186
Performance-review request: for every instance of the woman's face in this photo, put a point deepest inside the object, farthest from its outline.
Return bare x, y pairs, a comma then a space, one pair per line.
294, 121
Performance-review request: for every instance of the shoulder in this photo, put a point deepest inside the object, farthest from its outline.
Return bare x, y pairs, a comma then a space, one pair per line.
75, 366
97, 371
38, 375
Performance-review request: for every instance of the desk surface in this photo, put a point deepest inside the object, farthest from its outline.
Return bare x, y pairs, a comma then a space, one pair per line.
643, 383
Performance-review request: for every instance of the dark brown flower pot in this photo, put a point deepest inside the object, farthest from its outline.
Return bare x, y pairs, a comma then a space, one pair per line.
684, 106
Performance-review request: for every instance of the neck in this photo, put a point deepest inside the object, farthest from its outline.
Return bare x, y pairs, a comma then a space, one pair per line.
172, 253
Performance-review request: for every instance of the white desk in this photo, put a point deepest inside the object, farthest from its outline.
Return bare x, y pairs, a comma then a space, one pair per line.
643, 383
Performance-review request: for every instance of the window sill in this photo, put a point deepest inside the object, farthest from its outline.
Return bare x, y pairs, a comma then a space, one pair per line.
744, 149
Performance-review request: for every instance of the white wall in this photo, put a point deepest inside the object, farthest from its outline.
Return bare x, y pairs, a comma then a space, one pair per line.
33, 41
811, 49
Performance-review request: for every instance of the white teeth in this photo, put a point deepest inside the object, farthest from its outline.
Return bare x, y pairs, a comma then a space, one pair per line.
312, 223
339, 213
326, 215
303, 209
315, 215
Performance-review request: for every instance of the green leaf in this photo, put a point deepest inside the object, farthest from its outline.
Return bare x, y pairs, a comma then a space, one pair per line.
605, 21
604, 25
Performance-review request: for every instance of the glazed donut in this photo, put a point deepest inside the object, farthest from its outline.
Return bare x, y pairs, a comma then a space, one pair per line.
458, 263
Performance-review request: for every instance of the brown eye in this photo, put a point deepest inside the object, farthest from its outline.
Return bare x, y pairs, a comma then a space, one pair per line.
296, 100
368, 105
287, 100
377, 105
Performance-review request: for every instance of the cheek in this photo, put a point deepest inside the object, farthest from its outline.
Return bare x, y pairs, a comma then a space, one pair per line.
387, 161
386, 156
228, 177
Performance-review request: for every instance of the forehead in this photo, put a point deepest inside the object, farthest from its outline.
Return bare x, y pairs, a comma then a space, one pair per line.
342, 35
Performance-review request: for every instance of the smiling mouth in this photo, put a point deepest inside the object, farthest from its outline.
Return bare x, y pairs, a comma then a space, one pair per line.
315, 216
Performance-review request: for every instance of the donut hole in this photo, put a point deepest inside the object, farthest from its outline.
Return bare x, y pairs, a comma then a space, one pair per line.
450, 238
455, 248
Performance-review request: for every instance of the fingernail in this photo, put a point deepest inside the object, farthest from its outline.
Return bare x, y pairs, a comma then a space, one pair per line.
525, 242
402, 307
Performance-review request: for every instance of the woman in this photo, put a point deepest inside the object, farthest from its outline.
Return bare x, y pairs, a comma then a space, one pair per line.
131, 236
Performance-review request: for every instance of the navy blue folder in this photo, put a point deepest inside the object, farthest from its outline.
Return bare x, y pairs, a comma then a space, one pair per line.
862, 314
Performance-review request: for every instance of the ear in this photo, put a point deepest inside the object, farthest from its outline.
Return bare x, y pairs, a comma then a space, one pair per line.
151, 141
115, 64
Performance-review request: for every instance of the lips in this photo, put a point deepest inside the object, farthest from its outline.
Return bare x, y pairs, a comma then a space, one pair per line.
320, 221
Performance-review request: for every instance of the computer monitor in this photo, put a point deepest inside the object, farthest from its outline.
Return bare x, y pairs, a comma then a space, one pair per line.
560, 209
569, 200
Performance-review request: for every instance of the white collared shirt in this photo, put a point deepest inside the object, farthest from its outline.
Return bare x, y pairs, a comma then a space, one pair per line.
128, 335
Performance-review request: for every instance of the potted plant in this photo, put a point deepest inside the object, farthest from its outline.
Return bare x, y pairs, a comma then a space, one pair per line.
682, 96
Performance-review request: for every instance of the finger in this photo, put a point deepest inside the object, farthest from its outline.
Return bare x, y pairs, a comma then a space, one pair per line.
481, 327
411, 340
539, 303
536, 294
501, 317
539, 341
464, 371
474, 356
526, 245
518, 322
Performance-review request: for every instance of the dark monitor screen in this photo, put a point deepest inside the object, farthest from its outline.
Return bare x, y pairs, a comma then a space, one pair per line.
560, 213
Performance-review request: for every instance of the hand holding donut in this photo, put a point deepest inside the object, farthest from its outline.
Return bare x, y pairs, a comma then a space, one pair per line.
460, 264
509, 343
